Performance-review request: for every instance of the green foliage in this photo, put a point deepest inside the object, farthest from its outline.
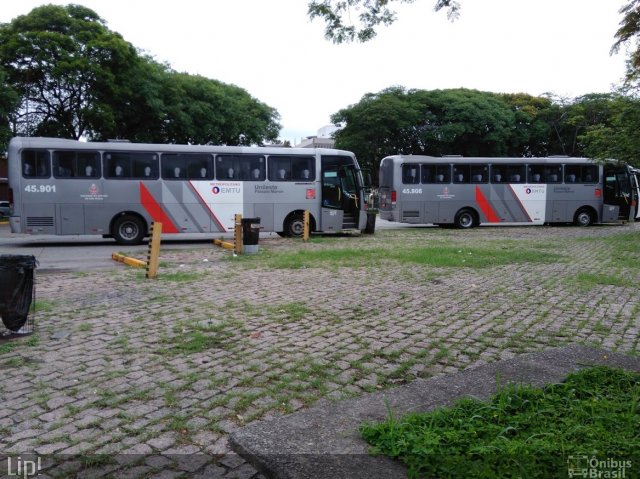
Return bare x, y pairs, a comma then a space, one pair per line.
65, 74
521, 432
65, 64
368, 15
437, 255
474, 123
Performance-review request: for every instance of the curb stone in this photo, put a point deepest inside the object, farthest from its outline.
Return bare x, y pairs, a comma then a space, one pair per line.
323, 442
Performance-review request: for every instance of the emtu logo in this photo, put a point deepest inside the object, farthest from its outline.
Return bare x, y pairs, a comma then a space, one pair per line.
527, 191
215, 190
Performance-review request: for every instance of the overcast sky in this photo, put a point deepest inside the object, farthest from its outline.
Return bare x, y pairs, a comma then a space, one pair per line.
271, 49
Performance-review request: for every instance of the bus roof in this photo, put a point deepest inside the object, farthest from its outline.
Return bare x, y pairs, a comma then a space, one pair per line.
411, 159
52, 143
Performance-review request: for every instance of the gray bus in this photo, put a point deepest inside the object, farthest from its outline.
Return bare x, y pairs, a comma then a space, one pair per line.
466, 192
116, 189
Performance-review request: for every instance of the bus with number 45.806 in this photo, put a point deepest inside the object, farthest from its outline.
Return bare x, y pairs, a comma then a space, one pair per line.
466, 192
117, 189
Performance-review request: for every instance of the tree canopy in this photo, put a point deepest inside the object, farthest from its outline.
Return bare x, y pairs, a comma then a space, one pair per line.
474, 123
368, 15
65, 74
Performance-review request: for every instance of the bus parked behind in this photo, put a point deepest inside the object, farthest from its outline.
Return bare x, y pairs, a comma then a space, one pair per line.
466, 192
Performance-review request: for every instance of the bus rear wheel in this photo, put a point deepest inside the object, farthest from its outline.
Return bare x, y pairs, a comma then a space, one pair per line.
583, 217
128, 230
466, 219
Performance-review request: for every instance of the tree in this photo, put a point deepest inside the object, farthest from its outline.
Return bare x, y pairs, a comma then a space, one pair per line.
438, 122
76, 78
65, 64
204, 111
8, 103
629, 32
617, 136
369, 14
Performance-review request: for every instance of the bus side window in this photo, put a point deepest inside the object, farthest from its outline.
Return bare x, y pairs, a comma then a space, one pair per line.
461, 173
572, 174
553, 174
535, 174
410, 174
443, 174
498, 174
279, 168
35, 164
479, 173
303, 168
590, 174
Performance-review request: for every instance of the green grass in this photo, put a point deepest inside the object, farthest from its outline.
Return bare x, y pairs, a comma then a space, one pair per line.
522, 431
437, 255
195, 338
588, 281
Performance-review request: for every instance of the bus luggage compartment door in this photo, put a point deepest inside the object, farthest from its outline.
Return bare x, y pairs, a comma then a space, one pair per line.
331, 219
610, 213
71, 219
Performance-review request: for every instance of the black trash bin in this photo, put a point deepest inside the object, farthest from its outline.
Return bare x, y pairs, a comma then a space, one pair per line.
16, 289
250, 235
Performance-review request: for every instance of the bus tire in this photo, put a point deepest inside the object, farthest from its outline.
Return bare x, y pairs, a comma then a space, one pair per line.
466, 219
294, 225
370, 228
129, 230
583, 217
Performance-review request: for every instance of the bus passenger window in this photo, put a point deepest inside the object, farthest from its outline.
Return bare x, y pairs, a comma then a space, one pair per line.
410, 174
535, 174
461, 173
498, 174
553, 174
35, 164
479, 173
590, 173
76, 164
240, 167
302, 168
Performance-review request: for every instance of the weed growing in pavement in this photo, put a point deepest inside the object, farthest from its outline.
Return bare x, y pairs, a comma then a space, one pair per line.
521, 431
589, 281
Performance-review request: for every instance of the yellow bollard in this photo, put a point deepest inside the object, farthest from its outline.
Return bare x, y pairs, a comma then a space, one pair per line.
305, 232
237, 237
153, 256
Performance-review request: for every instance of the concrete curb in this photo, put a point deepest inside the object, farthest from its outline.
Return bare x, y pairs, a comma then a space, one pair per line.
323, 442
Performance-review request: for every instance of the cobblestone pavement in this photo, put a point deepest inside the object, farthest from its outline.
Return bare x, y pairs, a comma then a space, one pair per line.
148, 377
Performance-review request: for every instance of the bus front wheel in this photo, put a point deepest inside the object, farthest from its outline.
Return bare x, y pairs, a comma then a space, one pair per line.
466, 219
294, 225
583, 217
128, 230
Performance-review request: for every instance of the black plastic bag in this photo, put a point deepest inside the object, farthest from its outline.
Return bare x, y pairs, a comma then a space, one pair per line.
16, 289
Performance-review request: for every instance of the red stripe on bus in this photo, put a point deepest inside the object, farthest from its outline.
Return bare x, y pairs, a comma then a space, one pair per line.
155, 210
202, 201
486, 208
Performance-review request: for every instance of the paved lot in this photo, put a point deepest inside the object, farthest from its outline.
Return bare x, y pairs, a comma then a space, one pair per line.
150, 377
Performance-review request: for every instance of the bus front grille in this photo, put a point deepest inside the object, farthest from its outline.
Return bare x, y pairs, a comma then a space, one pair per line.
39, 221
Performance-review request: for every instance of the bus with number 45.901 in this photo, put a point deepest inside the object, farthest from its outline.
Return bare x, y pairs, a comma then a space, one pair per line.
467, 192
117, 189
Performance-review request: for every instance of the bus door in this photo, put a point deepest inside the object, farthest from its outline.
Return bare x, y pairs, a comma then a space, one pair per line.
618, 196
635, 188
340, 198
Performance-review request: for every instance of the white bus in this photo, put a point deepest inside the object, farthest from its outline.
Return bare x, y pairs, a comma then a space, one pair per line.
116, 189
466, 192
